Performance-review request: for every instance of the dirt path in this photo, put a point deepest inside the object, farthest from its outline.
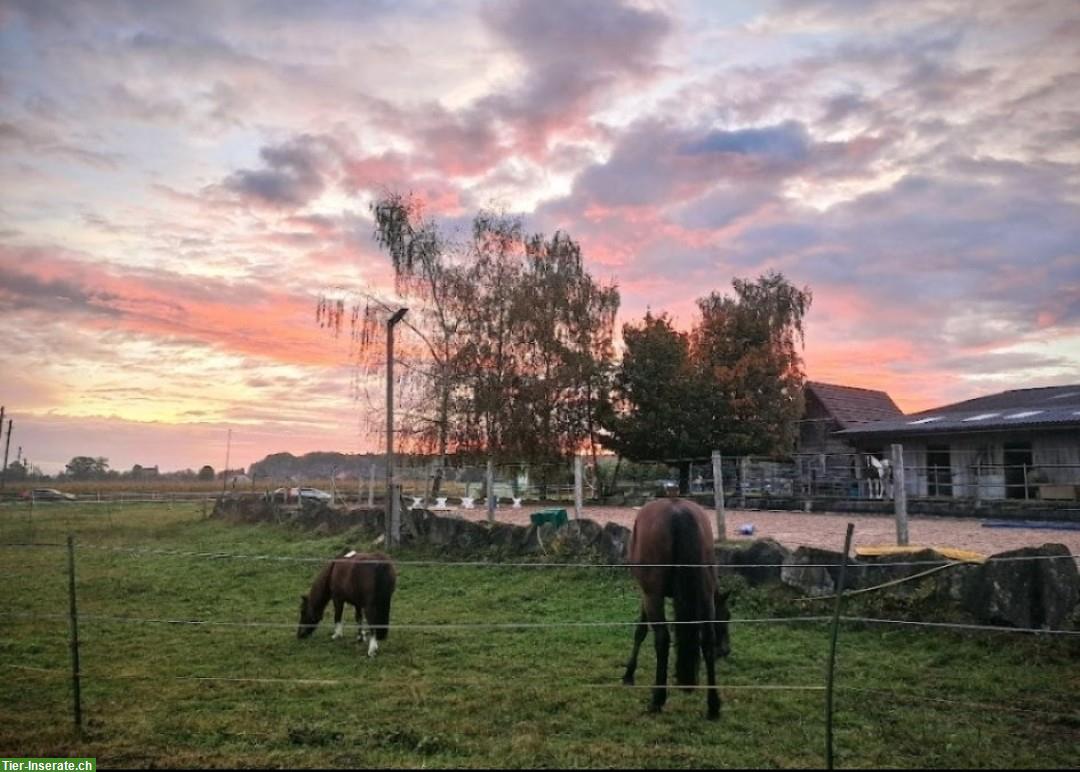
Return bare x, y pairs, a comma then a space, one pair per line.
795, 529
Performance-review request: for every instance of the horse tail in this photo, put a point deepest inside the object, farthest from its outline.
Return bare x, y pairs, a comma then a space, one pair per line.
688, 591
385, 581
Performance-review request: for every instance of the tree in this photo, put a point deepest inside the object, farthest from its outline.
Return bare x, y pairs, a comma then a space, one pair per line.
511, 339
17, 471
733, 384
656, 412
87, 468
746, 350
206, 473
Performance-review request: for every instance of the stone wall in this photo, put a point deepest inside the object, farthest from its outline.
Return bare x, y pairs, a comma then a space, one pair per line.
1040, 593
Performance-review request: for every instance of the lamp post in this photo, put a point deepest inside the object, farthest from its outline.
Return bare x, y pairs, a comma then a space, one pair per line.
391, 529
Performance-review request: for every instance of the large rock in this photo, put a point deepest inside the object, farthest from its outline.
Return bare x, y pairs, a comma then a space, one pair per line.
577, 537
507, 537
759, 563
881, 569
614, 543
1026, 593
815, 571
457, 533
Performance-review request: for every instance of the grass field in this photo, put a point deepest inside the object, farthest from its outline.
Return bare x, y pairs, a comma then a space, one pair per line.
465, 696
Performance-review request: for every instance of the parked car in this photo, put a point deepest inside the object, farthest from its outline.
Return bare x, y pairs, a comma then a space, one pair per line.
48, 494
288, 495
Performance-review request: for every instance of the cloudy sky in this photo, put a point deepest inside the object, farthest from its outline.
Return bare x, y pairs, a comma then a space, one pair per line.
180, 180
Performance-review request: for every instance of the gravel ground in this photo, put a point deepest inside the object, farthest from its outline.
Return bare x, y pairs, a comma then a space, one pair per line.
795, 529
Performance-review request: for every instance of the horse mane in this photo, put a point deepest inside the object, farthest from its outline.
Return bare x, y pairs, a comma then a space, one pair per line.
688, 592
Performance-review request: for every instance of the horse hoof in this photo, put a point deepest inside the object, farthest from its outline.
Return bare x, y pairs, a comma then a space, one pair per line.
713, 715
628, 681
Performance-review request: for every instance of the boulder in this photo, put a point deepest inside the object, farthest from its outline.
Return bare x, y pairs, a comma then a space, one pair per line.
507, 537
815, 571
576, 537
614, 543
759, 563
880, 569
1026, 593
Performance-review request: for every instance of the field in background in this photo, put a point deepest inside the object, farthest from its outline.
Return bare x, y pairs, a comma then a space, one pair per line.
462, 696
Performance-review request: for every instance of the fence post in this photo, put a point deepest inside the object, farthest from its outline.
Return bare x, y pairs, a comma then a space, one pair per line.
371, 488
76, 695
395, 515
718, 495
899, 494
579, 478
832, 649
491, 491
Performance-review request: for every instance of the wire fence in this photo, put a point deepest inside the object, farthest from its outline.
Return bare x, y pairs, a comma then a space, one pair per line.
77, 619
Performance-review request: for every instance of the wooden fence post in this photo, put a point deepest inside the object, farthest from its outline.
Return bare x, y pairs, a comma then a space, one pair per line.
73, 614
718, 495
832, 650
899, 494
579, 480
395, 515
491, 491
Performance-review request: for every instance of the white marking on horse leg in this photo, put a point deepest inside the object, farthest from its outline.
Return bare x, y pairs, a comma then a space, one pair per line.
373, 646
338, 628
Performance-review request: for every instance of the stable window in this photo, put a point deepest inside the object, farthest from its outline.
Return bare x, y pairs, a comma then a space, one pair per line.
938, 471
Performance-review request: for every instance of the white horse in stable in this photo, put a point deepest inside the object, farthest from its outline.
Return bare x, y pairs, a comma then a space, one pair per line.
879, 475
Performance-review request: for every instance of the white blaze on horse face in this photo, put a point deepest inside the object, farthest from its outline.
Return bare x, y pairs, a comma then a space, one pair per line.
373, 646
338, 629
350, 553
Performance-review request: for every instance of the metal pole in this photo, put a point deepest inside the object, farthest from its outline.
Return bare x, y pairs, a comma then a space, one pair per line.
371, 486
899, 494
579, 477
718, 495
395, 515
832, 650
1024, 467
491, 491
225, 474
7, 446
390, 416
73, 614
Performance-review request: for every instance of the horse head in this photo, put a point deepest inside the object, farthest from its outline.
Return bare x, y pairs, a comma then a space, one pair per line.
308, 620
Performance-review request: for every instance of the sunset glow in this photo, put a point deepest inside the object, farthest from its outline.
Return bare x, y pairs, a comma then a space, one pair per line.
181, 180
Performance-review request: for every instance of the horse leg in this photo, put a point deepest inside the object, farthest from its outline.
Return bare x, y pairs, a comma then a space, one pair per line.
708, 653
640, 631
339, 609
654, 610
373, 638
361, 635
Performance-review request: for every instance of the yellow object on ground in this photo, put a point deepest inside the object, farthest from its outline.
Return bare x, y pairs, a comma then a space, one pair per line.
873, 551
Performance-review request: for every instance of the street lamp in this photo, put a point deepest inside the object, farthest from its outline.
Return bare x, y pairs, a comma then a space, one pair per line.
392, 527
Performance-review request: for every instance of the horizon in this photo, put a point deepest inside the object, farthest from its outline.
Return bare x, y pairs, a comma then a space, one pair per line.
170, 216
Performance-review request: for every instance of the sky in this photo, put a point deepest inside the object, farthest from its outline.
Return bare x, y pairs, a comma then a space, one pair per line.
180, 181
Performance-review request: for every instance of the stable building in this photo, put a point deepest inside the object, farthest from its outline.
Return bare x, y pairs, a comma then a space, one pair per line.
1019, 444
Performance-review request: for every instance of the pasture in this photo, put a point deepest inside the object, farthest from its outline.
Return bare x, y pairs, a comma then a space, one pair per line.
444, 691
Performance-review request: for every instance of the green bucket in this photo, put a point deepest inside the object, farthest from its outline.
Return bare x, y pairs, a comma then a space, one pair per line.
556, 517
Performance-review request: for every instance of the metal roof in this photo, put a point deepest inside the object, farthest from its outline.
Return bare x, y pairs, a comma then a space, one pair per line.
1056, 407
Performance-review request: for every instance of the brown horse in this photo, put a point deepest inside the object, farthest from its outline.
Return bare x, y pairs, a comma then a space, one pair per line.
671, 555
366, 581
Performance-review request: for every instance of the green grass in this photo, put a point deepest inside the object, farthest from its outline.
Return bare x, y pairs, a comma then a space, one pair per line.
468, 697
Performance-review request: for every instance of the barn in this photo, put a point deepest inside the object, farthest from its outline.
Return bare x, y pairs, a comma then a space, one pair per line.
825, 457
1019, 444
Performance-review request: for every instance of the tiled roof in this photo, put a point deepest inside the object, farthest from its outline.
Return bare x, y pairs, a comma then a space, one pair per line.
852, 406
1054, 407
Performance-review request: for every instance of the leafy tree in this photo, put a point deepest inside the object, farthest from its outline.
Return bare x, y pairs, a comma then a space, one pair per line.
656, 412
17, 471
87, 468
733, 384
206, 473
746, 351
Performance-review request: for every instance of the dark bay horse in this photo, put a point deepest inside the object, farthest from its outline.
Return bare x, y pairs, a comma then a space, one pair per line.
366, 581
671, 556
